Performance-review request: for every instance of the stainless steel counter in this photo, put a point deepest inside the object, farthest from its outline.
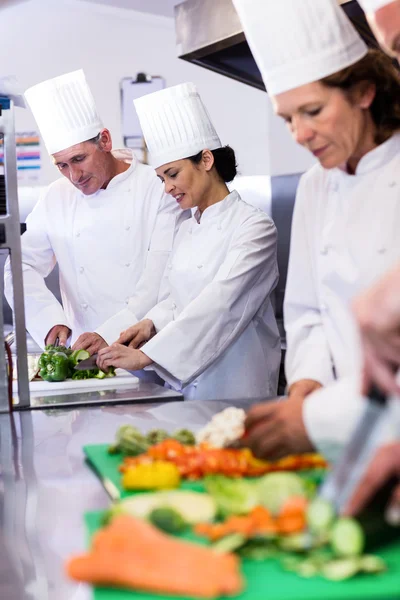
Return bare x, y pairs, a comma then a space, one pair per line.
46, 487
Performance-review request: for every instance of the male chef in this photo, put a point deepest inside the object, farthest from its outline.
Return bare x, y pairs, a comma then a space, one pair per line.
107, 223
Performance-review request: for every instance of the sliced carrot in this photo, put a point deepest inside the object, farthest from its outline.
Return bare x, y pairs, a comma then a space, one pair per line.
133, 554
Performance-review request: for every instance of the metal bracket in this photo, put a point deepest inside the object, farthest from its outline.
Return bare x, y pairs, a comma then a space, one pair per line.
10, 237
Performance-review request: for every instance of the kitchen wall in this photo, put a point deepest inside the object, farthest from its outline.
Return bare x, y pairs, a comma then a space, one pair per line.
40, 39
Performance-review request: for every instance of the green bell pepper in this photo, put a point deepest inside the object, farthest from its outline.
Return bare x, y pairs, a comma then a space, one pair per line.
54, 366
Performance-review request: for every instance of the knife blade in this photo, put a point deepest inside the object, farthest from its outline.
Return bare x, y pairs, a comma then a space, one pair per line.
90, 363
351, 466
87, 363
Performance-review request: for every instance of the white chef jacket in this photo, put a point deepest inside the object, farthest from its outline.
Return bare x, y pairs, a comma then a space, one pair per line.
111, 248
216, 331
332, 413
345, 235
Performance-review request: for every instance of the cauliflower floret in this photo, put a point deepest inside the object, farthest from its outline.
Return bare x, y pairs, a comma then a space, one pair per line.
225, 427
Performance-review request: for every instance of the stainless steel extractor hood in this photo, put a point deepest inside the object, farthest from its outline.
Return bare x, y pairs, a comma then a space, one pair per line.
209, 34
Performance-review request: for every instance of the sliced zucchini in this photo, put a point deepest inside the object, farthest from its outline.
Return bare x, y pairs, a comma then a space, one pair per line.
291, 562
372, 564
258, 549
229, 543
341, 569
297, 542
320, 516
347, 537
194, 507
307, 568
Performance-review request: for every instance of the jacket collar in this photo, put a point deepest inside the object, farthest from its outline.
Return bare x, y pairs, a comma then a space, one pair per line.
376, 158
217, 209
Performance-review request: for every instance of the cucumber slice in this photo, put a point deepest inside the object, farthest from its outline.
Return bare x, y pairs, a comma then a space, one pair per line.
307, 568
320, 516
372, 564
341, 569
258, 551
291, 562
347, 537
79, 355
296, 542
230, 543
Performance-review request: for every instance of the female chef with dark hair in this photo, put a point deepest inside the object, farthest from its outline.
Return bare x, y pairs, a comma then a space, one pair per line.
342, 103
213, 335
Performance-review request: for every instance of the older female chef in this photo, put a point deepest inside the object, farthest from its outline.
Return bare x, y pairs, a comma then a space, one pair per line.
215, 331
342, 103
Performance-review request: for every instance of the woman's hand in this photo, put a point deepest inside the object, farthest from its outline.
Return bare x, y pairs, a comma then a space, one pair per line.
138, 334
123, 357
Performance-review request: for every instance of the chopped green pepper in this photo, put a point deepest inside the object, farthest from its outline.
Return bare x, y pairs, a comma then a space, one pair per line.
54, 366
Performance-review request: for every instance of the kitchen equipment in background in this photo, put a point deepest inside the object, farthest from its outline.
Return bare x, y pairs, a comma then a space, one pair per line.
131, 89
209, 34
10, 238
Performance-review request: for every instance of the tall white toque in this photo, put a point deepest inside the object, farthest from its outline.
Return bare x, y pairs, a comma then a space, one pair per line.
175, 124
295, 42
64, 110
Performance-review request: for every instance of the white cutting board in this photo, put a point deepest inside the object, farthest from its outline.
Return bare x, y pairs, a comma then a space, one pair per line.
122, 379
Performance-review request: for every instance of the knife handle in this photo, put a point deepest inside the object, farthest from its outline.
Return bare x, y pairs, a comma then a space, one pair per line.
377, 396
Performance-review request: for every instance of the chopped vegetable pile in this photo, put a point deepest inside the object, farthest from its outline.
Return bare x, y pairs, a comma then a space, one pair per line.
130, 441
194, 462
57, 363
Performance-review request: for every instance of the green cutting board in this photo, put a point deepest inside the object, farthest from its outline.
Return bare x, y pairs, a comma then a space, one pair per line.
106, 466
268, 581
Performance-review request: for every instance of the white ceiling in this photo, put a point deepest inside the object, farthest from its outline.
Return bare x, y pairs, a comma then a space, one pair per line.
155, 7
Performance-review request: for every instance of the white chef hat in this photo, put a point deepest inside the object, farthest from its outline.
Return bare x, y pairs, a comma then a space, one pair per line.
295, 42
64, 110
175, 124
371, 6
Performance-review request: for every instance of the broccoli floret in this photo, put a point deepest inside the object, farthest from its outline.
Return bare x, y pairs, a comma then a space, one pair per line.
184, 436
155, 436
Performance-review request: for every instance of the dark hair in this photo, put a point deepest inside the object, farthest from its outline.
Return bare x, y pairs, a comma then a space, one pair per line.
96, 139
224, 162
374, 68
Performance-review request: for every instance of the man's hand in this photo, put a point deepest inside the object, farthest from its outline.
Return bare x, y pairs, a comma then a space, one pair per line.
276, 429
123, 357
62, 332
383, 467
92, 342
138, 334
377, 313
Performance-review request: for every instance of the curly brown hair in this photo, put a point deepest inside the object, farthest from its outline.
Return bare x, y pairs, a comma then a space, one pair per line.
374, 68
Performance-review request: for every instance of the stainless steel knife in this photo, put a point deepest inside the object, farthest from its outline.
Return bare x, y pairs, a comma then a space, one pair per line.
366, 438
90, 363
87, 363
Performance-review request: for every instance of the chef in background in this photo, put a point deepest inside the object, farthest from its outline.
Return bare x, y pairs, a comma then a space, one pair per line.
106, 222
214, 333
377, 310
342, 103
